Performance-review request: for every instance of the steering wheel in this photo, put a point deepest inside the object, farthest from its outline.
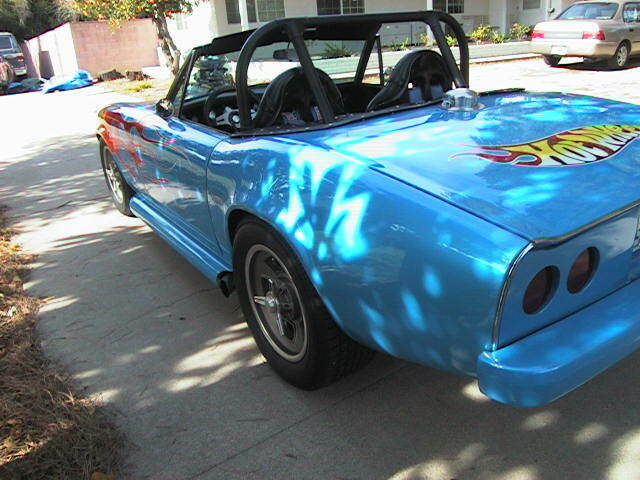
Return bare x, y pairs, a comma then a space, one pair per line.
216, 113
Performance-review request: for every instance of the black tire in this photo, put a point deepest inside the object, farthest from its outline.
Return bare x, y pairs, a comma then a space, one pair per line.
620, 59
120, 190
327, 354
552, 60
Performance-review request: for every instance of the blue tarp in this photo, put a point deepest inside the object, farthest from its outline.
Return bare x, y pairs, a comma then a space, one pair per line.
26, 85
60, 83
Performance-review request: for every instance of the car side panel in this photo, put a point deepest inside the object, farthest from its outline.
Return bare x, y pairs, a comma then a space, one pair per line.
400, 270
176, 154
164, 159
634, 33
121, 129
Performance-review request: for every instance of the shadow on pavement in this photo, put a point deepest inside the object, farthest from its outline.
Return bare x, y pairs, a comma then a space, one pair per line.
600, 66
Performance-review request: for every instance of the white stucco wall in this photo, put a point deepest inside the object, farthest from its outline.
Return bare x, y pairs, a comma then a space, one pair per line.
53, 52
200, 27
209, 19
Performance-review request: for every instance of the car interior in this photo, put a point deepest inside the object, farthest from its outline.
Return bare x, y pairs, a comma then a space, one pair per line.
288, 101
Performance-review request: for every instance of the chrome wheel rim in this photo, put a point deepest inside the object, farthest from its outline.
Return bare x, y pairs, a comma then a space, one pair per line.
276, 303
114, 179
623, 53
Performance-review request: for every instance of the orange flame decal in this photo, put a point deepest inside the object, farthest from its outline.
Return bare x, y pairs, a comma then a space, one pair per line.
574, 147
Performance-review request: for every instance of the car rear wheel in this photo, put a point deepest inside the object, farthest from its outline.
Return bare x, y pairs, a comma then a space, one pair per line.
621, 57
289, 321
552, 60
120, 190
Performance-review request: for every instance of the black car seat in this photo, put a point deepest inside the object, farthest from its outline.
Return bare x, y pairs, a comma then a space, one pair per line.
420, 76
288, 100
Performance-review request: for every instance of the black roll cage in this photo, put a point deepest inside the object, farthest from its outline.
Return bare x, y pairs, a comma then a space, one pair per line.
351, 27
296, 27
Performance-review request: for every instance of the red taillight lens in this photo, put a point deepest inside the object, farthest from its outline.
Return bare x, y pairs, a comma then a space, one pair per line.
582, 270
540, 290
537, 34
599, 35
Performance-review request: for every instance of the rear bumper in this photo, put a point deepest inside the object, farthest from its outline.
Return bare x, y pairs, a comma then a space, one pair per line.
574, 47
559, 358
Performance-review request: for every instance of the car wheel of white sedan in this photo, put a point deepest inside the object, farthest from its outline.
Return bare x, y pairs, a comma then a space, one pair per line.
552, 60
120, 190
621, 57
289, 321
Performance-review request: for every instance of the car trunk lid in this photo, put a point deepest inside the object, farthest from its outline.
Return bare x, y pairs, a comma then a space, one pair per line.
567, 29
537, 164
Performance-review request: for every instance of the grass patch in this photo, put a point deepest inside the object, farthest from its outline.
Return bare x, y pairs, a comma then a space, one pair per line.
150, 90
136, 87
48, 430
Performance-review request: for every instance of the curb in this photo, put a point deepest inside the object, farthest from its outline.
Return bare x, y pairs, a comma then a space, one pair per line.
505, 58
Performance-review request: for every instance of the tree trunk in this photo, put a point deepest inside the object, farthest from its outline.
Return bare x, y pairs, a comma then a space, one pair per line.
166, 43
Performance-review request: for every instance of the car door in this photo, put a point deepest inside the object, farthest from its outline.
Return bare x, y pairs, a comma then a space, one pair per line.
177, 165
631, 18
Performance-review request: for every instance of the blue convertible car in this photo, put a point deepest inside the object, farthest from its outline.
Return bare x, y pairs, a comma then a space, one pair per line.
494, 235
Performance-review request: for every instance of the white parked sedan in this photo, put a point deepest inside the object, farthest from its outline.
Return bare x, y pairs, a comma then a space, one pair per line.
593, 30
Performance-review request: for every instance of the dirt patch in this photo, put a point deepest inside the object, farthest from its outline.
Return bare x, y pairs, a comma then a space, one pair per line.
48, 429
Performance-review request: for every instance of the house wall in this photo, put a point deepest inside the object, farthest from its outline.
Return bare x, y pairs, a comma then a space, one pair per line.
218, 15
198, 28
52, 53
130, 47
209, 20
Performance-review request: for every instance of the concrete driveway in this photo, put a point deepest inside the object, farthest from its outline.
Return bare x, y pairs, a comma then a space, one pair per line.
144, 331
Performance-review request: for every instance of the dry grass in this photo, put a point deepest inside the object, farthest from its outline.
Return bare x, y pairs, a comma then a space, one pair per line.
47, 429
150, 90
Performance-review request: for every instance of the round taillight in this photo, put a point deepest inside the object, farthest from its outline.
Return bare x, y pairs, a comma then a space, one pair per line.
582, 270
540, 290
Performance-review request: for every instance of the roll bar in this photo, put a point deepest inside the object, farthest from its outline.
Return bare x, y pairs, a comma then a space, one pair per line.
294, 29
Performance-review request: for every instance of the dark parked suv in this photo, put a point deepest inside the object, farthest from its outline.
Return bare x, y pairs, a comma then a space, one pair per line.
10, 50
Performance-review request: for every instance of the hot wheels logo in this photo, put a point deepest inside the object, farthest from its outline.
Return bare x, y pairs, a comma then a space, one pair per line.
573, 147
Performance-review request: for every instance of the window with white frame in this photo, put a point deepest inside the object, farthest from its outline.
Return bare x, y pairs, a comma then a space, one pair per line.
233, 11
531, 4
268, 10
449, 6
337, 7
257, 10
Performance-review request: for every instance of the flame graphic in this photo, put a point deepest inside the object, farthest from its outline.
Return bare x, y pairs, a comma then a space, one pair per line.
134, 143
573, 147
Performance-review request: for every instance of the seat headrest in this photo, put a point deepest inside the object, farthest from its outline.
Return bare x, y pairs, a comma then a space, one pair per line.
292, 88
425, 70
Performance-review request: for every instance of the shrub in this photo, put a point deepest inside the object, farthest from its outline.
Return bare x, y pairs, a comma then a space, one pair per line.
400, 46
499, 37
426, 40
334, 50
452, 41
520, 32
483, 33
